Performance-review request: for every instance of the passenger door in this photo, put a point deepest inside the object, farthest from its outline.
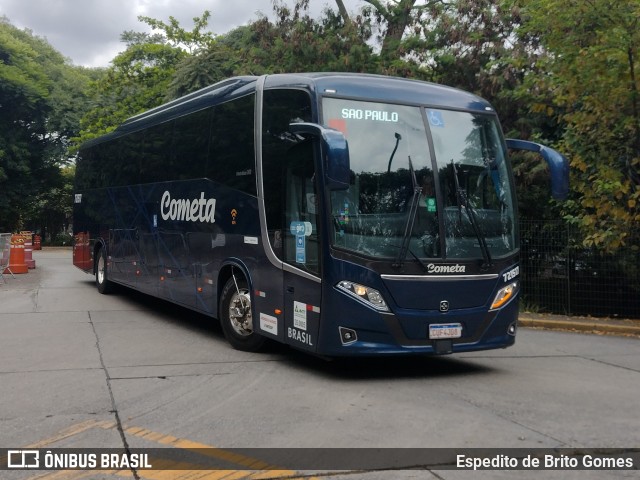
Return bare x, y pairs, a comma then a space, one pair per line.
302, 282
292, 213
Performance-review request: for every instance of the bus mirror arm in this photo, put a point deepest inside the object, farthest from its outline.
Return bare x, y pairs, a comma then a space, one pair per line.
336, 153
558, 165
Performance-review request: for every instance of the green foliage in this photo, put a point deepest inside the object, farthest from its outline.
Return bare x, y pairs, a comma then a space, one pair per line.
298, 43
590, 85
52, 208
192, 41
153, 69
41, 98
137, 81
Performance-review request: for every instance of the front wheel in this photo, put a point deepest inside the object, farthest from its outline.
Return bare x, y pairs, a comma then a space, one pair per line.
102, 282
236, 317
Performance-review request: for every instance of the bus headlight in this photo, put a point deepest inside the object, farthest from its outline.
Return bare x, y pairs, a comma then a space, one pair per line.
504, 295
367, 295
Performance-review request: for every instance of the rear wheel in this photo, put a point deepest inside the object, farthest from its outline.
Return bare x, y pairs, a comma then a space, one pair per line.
236, 317
102, 282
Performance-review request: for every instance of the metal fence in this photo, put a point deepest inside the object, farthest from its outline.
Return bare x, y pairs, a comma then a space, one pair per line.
561, 276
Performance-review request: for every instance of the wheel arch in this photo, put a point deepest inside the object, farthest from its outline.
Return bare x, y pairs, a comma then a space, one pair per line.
225, 273
98, 245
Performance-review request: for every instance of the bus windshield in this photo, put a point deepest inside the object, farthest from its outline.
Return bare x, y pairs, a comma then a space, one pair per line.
454, 201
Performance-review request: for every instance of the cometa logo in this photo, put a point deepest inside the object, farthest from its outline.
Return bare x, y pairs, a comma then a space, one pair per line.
432, 268
185, 210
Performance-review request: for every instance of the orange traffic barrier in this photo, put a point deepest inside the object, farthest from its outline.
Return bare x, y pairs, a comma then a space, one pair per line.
28, 249
37, 242
82, 251
16, 257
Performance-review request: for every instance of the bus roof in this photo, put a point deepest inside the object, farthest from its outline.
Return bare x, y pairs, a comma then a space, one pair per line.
350, 85
383, 89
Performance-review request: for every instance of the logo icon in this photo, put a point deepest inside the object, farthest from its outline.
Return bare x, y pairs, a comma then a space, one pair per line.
444, 306
234, 214
23, 459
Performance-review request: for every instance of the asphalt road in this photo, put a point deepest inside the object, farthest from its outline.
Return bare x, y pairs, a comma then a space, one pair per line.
83, 370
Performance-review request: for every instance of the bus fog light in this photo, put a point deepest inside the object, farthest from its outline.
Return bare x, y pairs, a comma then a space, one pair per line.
367, 295
504, 295
347, 335
512, 329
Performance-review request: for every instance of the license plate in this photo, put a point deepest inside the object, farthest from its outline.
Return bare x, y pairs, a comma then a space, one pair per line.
445, 330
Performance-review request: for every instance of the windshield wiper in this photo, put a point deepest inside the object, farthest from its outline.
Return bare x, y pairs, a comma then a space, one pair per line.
408, 228
463, 201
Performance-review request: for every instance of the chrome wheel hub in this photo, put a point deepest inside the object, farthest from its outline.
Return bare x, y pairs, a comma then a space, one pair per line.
240, 313
100, 269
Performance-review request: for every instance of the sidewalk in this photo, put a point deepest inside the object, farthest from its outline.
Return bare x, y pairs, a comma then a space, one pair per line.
602, 326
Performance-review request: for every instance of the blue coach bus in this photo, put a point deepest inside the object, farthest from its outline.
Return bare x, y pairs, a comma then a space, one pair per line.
342, 214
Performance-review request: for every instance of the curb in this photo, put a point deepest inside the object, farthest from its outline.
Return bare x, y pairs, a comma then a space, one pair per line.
612, 327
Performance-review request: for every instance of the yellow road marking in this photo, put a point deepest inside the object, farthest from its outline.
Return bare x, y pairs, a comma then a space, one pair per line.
254, 468
79, 474
65, 433
208, 451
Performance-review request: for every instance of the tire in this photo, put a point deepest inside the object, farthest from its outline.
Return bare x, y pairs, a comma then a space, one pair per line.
236, 317
102, 281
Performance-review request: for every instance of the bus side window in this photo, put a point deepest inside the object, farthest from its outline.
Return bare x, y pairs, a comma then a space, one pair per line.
191, 145
156, 163
127, 160
232, 152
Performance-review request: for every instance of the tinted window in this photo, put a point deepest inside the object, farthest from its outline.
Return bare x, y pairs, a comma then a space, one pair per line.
157, 164
216, 143
125, 166
104, 159
190, 146
232, 154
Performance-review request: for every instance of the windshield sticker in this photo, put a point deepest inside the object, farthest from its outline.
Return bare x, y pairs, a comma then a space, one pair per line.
435, 118
312, 201
301, 228
338, 124
372, 115
301, 254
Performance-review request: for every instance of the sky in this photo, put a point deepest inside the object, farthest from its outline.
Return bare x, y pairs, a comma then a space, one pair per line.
88, 31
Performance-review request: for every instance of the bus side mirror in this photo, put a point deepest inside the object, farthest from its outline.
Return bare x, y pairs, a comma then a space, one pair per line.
558, 165
336, 153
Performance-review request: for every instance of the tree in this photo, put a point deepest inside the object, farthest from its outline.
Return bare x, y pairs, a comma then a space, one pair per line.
295, 42
590, 84
50, 211
220, 58
41, 96
23, 91
137, 81
143, 76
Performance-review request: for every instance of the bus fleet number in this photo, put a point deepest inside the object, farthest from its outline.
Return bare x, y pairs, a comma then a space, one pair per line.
511, 274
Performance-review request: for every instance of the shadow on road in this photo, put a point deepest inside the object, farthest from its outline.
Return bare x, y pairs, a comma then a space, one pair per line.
386, 368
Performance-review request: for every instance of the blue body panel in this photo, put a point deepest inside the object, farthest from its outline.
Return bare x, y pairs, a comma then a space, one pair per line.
187, 262
405, 330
